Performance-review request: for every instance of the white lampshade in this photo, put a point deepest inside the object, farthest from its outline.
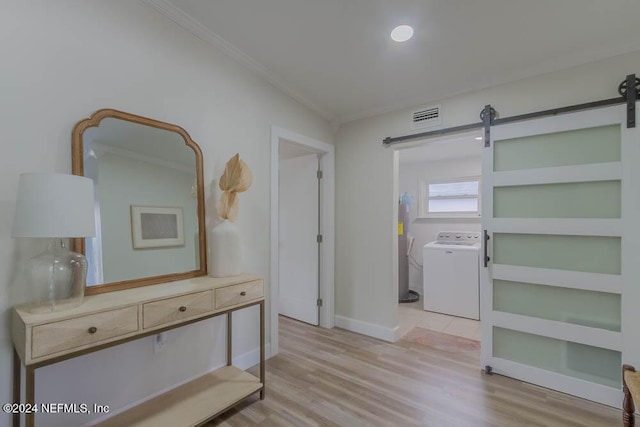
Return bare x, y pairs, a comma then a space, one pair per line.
54, 205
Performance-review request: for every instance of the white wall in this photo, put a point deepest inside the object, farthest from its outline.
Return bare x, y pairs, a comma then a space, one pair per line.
366, 283
425, 229
63, 60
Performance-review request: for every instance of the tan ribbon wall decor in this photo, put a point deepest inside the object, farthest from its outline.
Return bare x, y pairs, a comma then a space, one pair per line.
236, 178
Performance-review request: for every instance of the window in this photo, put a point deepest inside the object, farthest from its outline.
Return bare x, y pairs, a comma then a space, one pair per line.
452, 198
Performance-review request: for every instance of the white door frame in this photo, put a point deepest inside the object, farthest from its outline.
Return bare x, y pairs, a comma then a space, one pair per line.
327, 249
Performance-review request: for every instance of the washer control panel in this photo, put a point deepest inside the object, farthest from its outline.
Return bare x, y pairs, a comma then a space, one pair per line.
458, 237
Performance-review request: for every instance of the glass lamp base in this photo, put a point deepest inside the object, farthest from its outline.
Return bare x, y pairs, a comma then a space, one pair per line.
57, 278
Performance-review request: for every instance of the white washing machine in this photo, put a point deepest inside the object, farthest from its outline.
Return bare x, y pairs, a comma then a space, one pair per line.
451, 274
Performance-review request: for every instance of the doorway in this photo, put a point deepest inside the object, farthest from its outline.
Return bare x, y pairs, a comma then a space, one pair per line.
558, 247
439, 191
302, 236
299, 231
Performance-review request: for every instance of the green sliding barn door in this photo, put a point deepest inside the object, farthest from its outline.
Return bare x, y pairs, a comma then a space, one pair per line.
561, 221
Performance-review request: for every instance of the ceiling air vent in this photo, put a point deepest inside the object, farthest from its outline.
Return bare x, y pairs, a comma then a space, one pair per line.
426, 118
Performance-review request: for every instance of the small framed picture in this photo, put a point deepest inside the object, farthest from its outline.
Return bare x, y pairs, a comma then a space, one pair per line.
156, 227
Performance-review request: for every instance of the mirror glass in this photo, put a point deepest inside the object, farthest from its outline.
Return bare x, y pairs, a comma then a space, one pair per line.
146, 203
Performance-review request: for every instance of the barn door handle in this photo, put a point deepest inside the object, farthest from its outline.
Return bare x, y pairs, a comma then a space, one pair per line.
486, 248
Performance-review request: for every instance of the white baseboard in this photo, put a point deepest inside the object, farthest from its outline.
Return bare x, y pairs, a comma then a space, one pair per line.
244, 361
251, 357
366, 328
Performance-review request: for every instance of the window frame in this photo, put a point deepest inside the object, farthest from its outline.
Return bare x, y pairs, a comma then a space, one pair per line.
423, 198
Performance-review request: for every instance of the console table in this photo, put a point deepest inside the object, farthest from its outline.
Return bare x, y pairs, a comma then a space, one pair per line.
110, 319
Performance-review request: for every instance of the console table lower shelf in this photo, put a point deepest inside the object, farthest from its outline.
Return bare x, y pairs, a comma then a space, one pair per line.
193, 403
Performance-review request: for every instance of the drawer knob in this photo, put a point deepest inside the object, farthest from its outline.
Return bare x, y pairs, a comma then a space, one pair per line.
183, 308
92, 330
243, 293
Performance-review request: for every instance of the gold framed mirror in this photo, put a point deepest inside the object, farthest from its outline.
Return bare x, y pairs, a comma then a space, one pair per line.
149, 201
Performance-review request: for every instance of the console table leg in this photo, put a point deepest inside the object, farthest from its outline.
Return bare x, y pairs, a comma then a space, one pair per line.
17, 372
30, 394
229, 353
262, 375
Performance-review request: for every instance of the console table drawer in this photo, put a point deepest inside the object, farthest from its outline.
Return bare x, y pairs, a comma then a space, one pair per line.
169, 310
238, 294
69, 334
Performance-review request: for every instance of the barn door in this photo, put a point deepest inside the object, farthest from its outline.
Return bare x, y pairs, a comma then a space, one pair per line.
560, 214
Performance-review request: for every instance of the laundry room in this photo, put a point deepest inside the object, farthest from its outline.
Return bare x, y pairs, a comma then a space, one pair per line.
439, 236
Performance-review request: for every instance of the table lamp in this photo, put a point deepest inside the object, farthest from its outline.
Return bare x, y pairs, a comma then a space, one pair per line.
56, 206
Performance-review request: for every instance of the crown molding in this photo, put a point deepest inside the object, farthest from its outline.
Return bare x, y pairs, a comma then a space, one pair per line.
550, 66
177, 15
187, 22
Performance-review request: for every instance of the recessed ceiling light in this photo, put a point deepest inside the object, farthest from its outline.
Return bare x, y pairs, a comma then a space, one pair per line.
478, 138
401, 33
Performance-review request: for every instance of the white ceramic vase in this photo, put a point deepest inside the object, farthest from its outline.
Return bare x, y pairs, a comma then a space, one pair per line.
225, 257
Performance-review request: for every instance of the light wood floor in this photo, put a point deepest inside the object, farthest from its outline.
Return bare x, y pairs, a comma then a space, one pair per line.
411, 315
336, 378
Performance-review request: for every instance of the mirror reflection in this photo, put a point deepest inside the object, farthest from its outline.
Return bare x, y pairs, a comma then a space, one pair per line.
146, 204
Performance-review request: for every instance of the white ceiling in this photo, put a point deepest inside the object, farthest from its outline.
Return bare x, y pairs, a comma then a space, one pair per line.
336, 56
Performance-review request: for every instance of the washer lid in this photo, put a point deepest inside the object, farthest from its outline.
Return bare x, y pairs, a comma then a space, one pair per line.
453, 246
470, 243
